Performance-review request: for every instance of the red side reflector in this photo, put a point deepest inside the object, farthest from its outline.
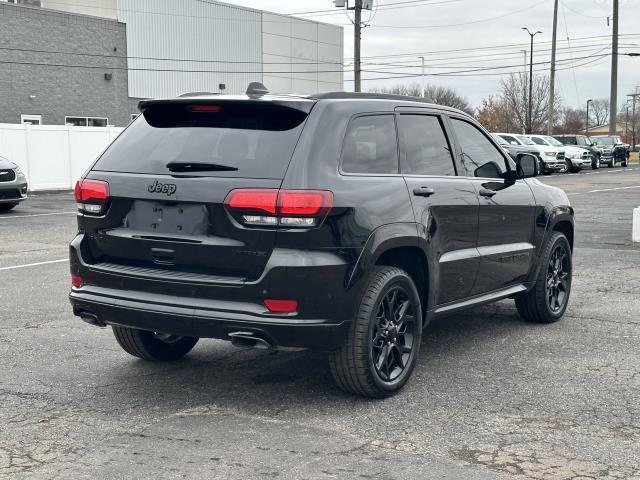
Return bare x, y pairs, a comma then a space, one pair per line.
76, 281
263, 200
304, 202
281, 306
205, 108
91, 190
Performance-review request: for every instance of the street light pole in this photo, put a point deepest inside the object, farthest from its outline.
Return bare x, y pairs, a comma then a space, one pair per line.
586, 129
423, 84
530, 112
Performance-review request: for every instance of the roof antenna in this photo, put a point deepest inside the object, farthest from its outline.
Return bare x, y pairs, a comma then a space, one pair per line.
257, 90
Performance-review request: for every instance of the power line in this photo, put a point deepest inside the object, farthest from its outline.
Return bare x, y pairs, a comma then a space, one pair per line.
403, 64
477, 74
489, 47
403, 75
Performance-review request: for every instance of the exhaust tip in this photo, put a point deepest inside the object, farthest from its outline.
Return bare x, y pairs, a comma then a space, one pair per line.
91, 319
249, 340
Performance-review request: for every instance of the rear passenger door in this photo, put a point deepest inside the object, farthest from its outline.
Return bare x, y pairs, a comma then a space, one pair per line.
507, 209
445, 206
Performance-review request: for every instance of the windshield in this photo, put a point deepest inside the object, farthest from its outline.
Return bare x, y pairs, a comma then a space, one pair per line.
525, 140
553, 141
604, 141
500, 140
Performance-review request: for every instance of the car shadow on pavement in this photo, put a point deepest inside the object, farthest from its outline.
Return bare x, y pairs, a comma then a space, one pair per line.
270, 382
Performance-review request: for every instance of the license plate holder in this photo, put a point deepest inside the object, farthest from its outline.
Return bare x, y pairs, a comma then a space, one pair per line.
164, 218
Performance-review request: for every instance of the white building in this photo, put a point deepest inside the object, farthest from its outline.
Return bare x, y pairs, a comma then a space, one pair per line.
178, 46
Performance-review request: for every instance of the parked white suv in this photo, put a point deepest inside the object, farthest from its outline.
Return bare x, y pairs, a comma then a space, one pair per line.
576, 158
553, 157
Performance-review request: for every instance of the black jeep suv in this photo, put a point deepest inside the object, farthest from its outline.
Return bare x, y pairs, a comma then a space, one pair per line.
338, 222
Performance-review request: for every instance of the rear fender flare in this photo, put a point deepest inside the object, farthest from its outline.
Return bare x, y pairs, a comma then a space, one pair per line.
383, 238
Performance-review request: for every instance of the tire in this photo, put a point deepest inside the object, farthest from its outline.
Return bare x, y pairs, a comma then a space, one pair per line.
5, 207
612, 163
569, 167
354, 366
537, 304
150, 346
625, 162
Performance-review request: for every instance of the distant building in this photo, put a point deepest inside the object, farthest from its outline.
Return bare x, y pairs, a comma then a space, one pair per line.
88, 63
623, 130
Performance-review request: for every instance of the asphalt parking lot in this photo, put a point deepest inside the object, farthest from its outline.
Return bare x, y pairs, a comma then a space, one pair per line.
492, 396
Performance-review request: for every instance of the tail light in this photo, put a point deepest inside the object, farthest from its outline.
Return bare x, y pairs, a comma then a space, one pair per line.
280, 208
92, 196
76, 281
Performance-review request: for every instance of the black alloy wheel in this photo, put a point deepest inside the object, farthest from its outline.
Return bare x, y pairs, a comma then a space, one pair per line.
393, 334
558, 279
547, 301
381, 348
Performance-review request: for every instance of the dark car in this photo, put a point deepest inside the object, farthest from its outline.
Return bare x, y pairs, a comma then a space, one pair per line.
582, 141
338, 222
613, 149
13, 185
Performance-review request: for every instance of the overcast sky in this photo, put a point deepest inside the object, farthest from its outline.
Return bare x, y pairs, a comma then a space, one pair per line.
413, 28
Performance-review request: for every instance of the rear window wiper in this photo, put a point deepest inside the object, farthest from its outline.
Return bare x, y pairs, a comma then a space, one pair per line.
199, 167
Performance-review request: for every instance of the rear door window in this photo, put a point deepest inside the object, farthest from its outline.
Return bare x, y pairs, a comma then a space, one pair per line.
424, 146
371, 145
252, 141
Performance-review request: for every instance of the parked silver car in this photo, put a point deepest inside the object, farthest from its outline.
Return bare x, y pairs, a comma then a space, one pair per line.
13, 185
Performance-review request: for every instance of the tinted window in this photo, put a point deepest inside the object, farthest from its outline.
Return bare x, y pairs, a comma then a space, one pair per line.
538, 141
257, 140
511, 140
480, 157
424, 146
371, 145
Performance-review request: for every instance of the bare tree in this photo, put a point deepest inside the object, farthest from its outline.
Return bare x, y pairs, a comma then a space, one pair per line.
494, 115
439, 95
515, 93
599, 112
573, 121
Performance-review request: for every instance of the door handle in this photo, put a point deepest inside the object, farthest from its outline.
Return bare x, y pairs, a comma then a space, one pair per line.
423, 192
485, 192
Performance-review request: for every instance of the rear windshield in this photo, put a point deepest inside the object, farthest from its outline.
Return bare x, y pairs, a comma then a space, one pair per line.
254, 141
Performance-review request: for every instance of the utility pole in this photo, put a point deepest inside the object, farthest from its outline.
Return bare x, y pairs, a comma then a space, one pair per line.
357, 23
613, 100
633, 118
586, 128
552, 85
530, 112
423, 84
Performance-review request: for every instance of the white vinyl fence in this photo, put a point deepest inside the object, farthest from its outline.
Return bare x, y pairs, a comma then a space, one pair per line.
53, 157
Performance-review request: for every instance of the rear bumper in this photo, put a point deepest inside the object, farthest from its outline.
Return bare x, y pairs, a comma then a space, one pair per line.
199, 308
160, 315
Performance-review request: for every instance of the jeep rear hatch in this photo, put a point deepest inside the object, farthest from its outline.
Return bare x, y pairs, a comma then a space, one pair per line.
168, 175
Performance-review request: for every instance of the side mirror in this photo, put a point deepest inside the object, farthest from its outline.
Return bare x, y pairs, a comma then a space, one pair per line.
488, 170
527, 166
513, 143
